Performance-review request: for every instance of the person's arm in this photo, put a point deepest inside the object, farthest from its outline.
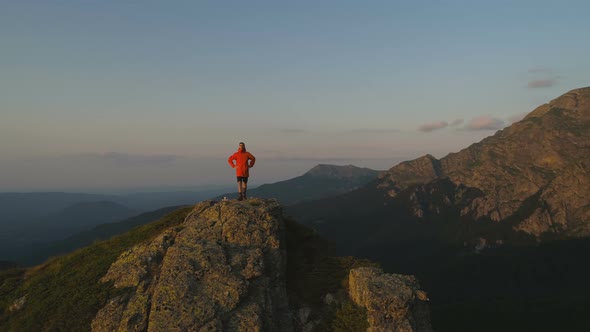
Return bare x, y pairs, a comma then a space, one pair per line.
231, 160
252, 161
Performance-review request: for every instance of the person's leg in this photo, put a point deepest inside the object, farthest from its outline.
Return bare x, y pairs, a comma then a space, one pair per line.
244, 187
239, 188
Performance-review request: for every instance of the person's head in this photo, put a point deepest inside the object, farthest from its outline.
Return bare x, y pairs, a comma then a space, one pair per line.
242, 147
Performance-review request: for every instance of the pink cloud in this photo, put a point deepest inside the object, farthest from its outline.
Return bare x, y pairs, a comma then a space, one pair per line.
428, 127
543, 83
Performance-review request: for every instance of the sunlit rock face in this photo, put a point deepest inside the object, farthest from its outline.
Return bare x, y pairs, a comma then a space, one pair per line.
223, 269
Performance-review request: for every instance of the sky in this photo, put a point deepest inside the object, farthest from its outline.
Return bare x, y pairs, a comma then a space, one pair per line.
108, 95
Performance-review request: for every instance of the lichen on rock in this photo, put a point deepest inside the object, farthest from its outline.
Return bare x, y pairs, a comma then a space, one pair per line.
222, 270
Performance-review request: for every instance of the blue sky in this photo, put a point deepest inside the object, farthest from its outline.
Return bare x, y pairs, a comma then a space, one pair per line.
116, 94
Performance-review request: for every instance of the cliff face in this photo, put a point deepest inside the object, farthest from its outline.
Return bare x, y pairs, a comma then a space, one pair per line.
222, 269
534, 173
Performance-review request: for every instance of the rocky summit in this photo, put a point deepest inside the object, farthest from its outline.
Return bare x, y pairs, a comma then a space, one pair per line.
224, 269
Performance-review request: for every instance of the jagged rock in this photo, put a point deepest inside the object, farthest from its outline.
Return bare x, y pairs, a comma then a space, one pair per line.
394, 302
221, 270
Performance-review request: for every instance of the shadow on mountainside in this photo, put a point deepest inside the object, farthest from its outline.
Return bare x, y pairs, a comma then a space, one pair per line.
513, 288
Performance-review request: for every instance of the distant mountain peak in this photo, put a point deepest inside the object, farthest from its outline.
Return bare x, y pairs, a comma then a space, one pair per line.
337, 171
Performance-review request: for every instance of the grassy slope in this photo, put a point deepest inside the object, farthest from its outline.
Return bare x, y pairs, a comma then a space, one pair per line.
64, 293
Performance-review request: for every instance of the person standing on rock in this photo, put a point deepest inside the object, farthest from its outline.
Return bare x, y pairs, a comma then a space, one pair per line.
242, 161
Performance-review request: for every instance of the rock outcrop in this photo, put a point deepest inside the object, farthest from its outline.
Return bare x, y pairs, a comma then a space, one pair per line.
223, 269
394, 302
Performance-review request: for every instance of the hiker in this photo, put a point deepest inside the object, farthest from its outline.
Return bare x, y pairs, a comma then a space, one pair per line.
243, 161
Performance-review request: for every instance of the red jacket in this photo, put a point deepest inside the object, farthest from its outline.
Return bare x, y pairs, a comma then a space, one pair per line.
242, 165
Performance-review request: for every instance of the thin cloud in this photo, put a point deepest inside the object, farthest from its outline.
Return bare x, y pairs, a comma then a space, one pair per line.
372, 131
428, 127
542, 83
456, 122
485, 123
292, 130
540, 70
127, 158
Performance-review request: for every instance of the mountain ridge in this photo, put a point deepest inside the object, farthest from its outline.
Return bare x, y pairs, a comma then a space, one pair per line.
533, 175
542, 155
101, 232
339, 171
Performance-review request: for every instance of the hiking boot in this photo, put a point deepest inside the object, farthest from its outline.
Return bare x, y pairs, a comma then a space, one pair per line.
240, 197
244, 196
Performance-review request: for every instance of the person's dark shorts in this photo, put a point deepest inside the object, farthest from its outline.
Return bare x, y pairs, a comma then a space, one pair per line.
243, 179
